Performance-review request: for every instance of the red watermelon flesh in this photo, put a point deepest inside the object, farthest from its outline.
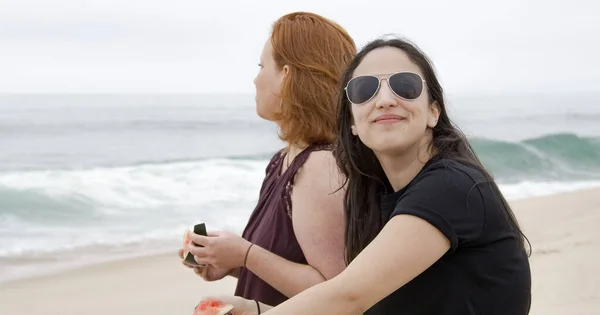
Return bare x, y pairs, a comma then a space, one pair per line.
212, 307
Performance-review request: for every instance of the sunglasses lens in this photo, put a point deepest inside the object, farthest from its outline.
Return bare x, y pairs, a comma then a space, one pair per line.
406, 85
361, 89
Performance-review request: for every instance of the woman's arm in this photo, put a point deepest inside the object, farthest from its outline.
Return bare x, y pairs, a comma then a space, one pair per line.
318, 219
405, 247
235, 272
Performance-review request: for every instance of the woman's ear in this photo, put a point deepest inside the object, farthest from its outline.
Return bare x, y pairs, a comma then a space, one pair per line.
434, 114
354, 131
286, 70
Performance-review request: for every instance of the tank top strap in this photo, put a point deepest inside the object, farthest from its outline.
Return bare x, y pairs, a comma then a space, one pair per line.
290, 174
274, 163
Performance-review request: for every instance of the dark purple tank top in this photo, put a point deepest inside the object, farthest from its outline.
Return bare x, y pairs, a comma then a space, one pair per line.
270, 225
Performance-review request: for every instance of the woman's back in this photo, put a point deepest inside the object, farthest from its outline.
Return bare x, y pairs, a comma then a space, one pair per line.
270, 226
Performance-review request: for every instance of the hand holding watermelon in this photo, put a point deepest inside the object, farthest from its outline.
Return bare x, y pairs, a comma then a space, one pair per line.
224, 250
208, 273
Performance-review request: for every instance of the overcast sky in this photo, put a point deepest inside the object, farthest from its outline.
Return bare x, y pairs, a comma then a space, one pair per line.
199, 46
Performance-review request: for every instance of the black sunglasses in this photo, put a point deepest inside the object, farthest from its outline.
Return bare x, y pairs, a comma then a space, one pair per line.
406, 85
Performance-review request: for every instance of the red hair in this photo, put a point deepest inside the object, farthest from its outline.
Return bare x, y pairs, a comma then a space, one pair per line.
317, 51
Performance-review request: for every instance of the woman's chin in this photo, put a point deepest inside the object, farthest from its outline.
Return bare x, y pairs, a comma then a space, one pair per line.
387, 144
264, 115
265, 112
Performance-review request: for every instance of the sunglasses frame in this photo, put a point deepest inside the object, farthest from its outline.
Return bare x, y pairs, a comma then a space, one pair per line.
385, 77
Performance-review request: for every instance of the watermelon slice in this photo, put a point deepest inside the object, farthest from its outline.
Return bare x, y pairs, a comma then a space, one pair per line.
212, 307
188, 257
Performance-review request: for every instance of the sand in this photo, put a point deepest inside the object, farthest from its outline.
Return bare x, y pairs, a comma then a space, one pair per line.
564, 230
565, 234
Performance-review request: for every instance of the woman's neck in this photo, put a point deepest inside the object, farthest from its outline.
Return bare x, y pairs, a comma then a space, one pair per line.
292, 150
402, 169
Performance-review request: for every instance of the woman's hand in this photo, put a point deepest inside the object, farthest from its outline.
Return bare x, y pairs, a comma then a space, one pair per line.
223, 250
211, 273
208, 272
241, 306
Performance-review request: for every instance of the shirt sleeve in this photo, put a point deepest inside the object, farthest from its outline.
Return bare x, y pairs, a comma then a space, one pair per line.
449, 199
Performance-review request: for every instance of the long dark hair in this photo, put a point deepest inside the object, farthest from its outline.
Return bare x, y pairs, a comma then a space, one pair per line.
365, 180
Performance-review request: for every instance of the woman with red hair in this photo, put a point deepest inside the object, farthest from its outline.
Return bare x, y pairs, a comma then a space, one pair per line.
294, 239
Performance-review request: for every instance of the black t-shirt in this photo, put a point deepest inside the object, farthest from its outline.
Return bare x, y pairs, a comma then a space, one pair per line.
485, 272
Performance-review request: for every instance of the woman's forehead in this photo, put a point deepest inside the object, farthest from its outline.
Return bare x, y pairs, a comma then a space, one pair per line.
386, 60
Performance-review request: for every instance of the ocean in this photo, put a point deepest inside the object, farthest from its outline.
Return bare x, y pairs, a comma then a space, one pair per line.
93, 178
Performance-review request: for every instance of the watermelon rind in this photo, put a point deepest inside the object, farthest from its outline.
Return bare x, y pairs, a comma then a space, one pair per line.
199, 229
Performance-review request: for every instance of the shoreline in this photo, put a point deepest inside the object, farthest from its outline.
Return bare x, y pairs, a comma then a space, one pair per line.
157, 254
562, 228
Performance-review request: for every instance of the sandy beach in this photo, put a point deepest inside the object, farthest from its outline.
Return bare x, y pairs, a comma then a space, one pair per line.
564, 230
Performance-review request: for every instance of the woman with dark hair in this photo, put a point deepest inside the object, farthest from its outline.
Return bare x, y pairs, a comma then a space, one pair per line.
427, 229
